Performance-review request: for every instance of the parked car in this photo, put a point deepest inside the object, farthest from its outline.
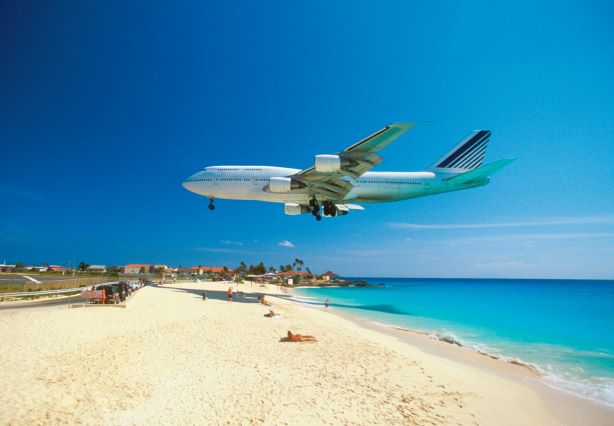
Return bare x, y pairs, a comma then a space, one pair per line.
124, 289
111, 293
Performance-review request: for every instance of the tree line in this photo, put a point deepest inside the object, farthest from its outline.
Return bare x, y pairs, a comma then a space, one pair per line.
260, 269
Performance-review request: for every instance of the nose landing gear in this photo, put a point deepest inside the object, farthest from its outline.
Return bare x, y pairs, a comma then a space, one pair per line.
211, 205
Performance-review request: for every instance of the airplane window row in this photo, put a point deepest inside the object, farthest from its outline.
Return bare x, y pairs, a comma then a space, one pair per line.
389, 181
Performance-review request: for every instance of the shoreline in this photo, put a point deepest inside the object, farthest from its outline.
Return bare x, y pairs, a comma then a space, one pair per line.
564, 405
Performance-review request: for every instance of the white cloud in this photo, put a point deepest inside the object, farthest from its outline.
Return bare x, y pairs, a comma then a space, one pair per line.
561, 221
232, 243
286, 243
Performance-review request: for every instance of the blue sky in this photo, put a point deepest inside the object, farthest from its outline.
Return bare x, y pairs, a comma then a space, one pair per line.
105, 107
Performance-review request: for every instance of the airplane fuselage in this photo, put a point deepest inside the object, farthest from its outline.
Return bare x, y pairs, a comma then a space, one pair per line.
250, 183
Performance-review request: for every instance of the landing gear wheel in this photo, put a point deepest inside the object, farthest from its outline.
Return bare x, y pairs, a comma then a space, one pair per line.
318, 217
211, 206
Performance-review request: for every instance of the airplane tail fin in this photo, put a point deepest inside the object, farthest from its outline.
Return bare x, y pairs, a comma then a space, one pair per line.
467, 155
481, 173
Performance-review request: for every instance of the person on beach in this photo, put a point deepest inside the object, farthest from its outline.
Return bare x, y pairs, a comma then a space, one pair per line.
271, 314
326, 304
229, 294
297, 338
204, 296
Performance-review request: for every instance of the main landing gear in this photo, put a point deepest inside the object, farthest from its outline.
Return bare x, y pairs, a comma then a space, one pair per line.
315, 209
211, 205
329, 209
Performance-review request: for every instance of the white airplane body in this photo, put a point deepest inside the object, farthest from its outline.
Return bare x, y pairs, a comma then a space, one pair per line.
337, 181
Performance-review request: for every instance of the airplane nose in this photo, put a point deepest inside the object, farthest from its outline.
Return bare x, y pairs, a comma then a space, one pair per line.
187, 184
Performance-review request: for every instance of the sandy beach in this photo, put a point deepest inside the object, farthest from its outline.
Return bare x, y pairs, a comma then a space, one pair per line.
171, 358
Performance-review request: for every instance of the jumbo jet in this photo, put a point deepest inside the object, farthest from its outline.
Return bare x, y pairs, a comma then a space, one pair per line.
333, 185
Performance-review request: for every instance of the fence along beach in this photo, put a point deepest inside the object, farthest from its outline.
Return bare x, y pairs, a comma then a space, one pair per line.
172, 357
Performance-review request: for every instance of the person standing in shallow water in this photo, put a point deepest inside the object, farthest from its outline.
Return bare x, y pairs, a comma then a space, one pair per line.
326, 304
204, 296
229, 294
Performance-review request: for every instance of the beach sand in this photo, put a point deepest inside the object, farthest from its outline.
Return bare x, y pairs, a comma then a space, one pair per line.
171, 358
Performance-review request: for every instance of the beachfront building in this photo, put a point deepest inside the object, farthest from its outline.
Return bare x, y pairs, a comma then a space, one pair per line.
328, 275
289, 276
200, 270
96, 268
143, 268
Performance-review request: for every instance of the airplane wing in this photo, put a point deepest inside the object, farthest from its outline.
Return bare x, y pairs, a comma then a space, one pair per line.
352, 161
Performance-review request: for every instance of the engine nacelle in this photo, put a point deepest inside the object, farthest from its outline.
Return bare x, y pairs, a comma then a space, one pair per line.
281, 185
294, 209
326, 163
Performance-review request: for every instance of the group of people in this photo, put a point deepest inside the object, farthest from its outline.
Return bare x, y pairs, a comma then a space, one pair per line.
291, 337
229, 293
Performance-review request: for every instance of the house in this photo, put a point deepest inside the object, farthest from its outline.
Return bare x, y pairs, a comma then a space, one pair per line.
56, 268
328, 275
138, 268
294, 274
96, 268
200, 270
289, 276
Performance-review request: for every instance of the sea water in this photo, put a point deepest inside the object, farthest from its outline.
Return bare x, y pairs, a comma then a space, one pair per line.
564, 328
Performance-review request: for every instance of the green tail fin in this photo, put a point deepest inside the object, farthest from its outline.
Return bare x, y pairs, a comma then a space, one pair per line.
482, 172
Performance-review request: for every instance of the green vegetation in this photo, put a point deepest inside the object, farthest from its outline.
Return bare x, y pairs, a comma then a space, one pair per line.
260, 269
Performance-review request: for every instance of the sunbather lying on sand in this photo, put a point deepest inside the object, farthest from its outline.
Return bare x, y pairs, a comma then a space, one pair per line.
271, 314
297, 338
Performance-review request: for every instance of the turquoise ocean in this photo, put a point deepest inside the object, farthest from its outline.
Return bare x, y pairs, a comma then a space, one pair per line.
564, 328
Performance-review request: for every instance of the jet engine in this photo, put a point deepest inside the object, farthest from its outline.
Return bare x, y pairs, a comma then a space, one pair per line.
294, 209
326, 163
280, 185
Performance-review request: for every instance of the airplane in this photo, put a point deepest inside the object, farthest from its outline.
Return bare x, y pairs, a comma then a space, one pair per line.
333, 185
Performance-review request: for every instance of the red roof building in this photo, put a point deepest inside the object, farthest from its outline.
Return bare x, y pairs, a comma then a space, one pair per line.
199, 270
56, 268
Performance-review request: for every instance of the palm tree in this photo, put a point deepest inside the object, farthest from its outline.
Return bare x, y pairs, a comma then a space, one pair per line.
298, 264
